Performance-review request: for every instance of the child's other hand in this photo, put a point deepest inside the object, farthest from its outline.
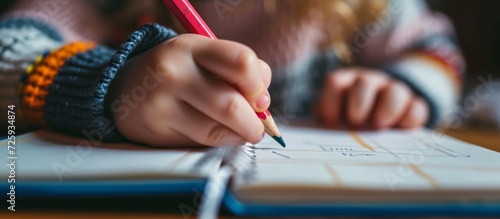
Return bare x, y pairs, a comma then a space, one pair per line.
191, 90
368, 98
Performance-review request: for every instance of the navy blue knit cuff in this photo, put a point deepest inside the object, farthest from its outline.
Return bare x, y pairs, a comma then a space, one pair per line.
76, 98
435, 110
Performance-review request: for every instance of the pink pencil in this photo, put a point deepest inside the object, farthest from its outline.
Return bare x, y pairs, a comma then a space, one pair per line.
193, 23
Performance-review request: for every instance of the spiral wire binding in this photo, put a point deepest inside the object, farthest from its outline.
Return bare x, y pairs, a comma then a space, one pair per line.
235, 160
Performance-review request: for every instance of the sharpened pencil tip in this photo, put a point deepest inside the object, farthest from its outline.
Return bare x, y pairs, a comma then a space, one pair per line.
279, 140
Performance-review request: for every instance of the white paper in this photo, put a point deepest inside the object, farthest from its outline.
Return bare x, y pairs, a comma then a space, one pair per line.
43, 155
320, 164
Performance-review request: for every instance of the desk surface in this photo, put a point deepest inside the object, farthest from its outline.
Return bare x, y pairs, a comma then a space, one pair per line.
487, 139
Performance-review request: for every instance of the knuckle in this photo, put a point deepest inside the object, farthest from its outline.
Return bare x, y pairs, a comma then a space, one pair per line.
397, 89
168, 67
169, 64
246, 59
333, 79
364, 80
171, 71
232, 106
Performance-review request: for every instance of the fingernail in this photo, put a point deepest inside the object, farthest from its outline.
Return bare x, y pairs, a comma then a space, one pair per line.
263, 101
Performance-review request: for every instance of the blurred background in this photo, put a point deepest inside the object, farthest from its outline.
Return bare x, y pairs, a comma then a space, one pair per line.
477, 25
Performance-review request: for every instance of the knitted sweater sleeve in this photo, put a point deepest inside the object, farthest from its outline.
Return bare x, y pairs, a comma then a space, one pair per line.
66, 88
21, 42
30, 28
418, 47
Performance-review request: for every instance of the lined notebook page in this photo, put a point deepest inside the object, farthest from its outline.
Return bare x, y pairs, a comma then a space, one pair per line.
320, 165
43, 155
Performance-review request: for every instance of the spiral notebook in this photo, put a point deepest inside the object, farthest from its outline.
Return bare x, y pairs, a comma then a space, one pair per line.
390, 173
320, 172
49, 164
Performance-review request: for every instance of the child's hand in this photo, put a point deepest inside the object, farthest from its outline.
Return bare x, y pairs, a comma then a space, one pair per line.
191, 90
369, 98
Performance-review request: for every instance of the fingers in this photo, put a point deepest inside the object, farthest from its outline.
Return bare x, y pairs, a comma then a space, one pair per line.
236, 64
179, 124
169, 121
204, 130
362, 96
205, 92
417, 114
148, 123
393, 101
371, 99
224, 104
331, 100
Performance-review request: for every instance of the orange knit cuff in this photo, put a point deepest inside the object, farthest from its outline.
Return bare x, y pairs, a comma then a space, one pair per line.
38, 77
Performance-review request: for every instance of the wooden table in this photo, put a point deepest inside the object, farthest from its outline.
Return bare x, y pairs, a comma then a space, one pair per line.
487, 139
